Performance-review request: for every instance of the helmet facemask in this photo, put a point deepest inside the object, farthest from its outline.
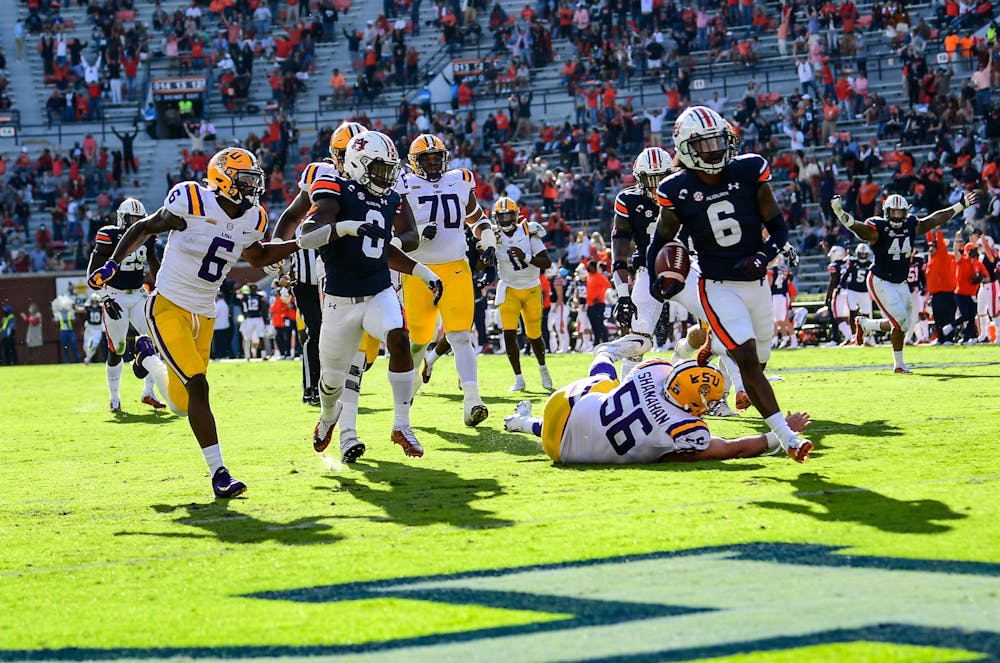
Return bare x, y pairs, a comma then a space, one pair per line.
430, 165
506, 220
707, 153
380, 175
249, 185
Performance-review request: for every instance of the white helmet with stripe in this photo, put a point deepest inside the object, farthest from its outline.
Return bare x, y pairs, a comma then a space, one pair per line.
371, 160
650, 167
895, 208
702, 140
130, 207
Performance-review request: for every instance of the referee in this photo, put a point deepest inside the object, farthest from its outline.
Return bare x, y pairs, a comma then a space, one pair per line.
305, 287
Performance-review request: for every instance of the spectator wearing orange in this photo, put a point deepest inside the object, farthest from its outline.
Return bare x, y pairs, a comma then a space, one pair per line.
969, 274
465, 95
868, 196
940, 272
608, 96
283, 319
503, 125
597, 286
831, 113
337, 83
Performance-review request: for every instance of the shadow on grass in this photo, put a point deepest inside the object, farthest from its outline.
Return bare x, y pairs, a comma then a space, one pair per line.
147, 417
419, 496
734, 465
877, 428
456, 396
486, 440
215, 519
841, 503
946, 377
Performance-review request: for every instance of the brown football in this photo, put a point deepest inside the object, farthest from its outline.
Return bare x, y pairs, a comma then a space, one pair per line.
673, 263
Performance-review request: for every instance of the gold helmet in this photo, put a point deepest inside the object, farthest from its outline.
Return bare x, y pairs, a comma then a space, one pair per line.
694, 388
236, 174
339, 139
505, 213
428, 157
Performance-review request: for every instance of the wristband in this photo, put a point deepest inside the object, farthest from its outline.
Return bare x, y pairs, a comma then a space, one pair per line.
397, 242
422, 272
772, 441
622, 290
348, 228
958, 208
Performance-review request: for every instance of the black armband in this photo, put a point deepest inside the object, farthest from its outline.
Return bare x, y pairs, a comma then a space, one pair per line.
619, 264
617, 233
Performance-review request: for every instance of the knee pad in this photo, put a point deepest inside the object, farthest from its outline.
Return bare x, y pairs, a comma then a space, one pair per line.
460, 338
331, 381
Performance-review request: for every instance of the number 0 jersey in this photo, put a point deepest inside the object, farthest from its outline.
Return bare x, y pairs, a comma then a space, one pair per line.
133, 268
442, 204
892, 249
518, 274
356, 266
197, 258
632, 423
723, 219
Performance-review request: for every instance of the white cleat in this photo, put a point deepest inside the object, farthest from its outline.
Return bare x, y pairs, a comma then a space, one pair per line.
631, 345
518, 384
475, 414
351, 448
515, 423
546, 378
324, 430
722, 409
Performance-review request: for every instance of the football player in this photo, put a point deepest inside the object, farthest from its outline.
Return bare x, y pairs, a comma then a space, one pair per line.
916, 281
93, 330
351, 224
988, 297
443, 202
836, 294
652, 415
210, 227
724, 202
780, 279
855, 283
892, 238
559, 313
123, 297
521, 256
635, 213
252, 309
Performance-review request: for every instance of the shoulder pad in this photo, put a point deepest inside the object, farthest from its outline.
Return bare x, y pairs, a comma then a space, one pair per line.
107, 235
309, 176
261, 219
689, 430
536, 229
467, 175
325, 187
756, 164
186, 199
621, 204
665, 191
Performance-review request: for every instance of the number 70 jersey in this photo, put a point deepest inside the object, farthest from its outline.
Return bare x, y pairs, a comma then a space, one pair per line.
441, 204
197, 258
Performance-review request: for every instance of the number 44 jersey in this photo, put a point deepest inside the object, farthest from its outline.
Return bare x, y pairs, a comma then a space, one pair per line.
893, 248
632, 423
197, 258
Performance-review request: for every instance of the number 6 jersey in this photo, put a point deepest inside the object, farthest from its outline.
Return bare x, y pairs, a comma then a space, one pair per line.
197, 258
632, 423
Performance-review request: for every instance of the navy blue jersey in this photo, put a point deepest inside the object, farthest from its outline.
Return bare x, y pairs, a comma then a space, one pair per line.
837, 269
916, 278
95, 315
855, 276
253, 306
639, 212
356, 266
724, 220
893, 248
779, 280
132, 269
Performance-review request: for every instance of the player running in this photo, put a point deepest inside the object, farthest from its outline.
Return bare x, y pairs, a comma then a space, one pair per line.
123, 297
652, 415
892, 237
520, 260
725, 203
210, 228
93, 330
351, 225
443, 202
855, 285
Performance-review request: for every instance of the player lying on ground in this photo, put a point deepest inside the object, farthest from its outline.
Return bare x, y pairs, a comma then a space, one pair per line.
652, 415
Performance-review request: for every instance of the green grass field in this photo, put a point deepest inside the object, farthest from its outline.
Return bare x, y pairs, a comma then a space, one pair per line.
884, 547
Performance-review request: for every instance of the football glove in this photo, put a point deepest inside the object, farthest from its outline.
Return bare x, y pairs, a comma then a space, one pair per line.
657, 285
625, 311
791, 255
372, 231
753, 267
430, 279
437, 288
969, 199
489, 257
429, 232
100, 277
111, 307
273, 268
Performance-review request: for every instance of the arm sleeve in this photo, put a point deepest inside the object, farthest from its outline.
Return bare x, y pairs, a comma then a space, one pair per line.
777, 231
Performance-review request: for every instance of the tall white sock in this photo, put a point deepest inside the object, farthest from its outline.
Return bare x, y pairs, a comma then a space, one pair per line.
114, 380
627, 365
870, 325
430, 357
147, 387
845, 329
158, 371
776, 422
352, 394
402, 396
533, 425
984, 327
732, 371
213, 458
331, 387
897, 359
465, 363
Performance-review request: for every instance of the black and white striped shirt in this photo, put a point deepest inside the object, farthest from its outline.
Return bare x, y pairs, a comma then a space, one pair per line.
303, 266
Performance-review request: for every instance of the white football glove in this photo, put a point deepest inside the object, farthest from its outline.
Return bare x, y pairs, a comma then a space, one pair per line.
273, 268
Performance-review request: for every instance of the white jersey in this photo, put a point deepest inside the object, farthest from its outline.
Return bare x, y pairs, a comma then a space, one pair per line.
197, 259
314, 171
519, 274
632, 423
441, 203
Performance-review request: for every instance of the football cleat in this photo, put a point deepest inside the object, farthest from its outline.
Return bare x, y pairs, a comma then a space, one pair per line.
514, 423
115, 408
405, 438
324, 430
546, 378
705, 351
743, 400
801, 451
351, 448
721, 409
901, 369
859, 332
425, 372
476, 414
518, 384
631, 345
225, 485
152, 402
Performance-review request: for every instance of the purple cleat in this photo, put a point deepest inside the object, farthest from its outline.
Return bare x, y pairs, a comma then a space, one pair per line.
225, 485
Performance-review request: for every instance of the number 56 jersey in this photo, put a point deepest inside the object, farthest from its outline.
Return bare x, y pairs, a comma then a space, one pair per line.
632, 422
197, 258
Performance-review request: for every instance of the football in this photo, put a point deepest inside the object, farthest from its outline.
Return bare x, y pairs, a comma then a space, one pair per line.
673, 263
